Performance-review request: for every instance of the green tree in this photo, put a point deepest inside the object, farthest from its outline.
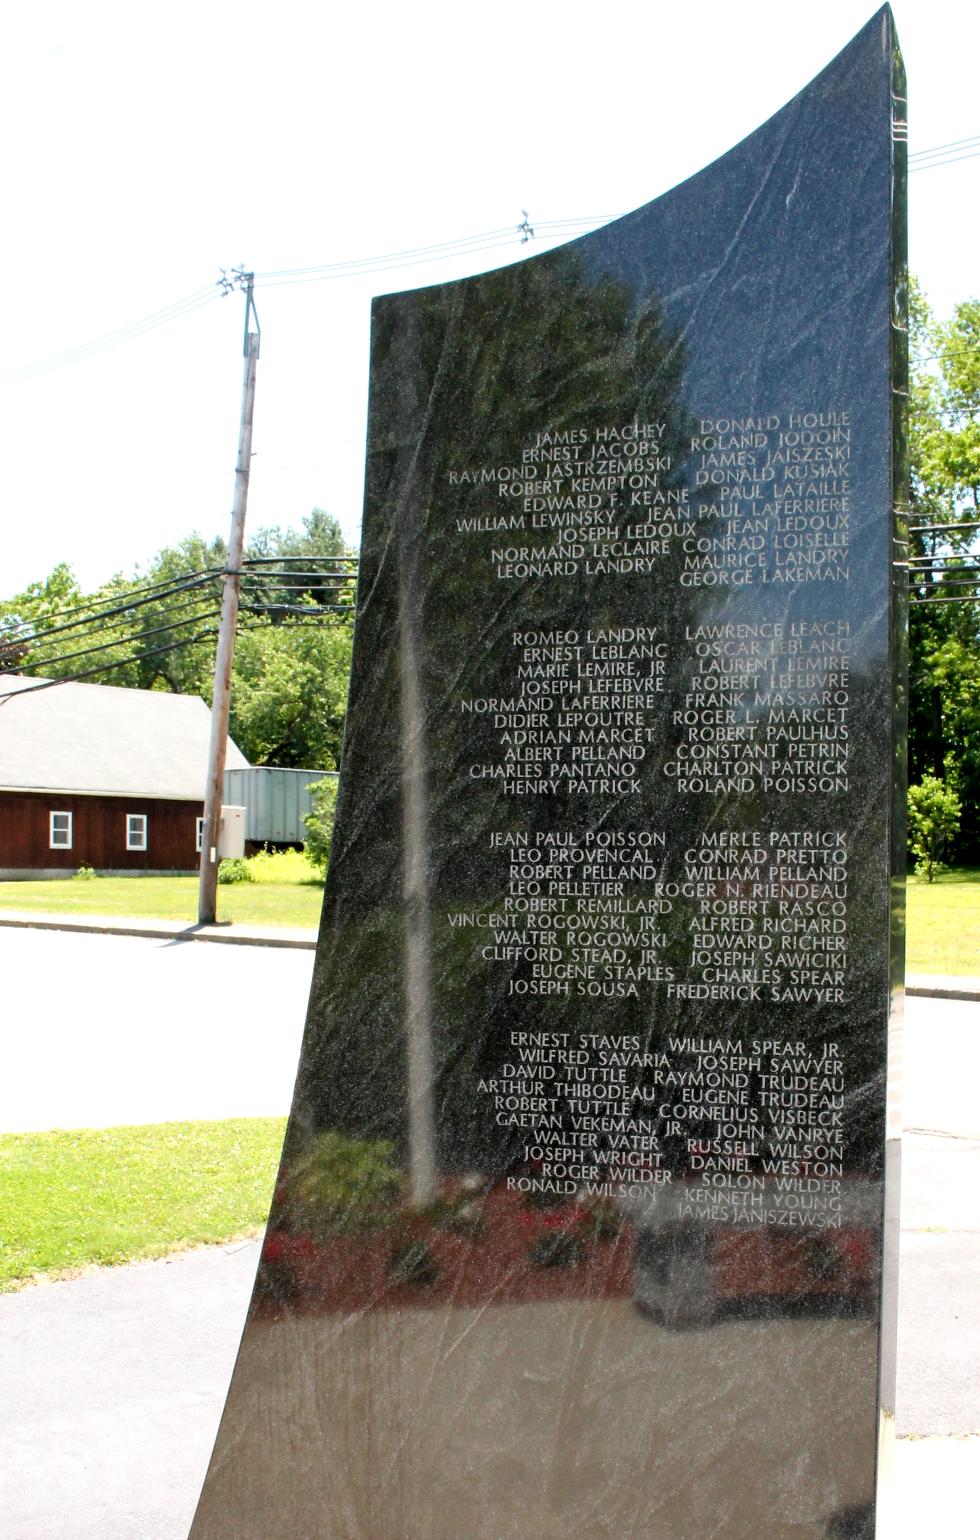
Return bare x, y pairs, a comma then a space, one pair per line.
167, 657
944, 637
289, 692
319, 822
934, 817
289, 681
50, 629
155, 630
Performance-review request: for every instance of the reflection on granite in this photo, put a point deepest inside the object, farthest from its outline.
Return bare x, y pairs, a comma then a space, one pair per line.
579, 1225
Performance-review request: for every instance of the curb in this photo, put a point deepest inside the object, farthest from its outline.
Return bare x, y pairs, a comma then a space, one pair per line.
162, 930
939, 988
923, 985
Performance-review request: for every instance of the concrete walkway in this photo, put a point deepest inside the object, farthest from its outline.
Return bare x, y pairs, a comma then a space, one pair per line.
114, 1383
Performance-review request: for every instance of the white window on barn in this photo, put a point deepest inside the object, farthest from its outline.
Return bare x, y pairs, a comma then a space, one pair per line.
59, 831
136, 825
199, 837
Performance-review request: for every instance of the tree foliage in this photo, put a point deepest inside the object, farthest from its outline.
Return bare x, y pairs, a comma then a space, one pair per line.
319, 822
289, 693
944, 637
156, 630
934, 818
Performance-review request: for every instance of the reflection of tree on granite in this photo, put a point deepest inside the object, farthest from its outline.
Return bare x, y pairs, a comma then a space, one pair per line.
565, 354
465, 376
346, 1236
462, 375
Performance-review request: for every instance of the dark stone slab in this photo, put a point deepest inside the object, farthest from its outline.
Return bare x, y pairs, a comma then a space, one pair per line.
580, 1224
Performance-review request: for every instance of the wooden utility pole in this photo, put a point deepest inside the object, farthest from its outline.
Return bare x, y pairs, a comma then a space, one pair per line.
214, 789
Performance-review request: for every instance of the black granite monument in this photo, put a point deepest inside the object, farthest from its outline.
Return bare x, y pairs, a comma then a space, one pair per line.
580, 1229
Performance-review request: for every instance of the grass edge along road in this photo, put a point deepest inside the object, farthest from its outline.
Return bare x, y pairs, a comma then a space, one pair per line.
74, 1198
284, 889
88, 1197
943, 916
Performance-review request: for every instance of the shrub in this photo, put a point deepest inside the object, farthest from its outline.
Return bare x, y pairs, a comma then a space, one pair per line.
319, 821
85, 873
340, 1185
934, 819
235, 870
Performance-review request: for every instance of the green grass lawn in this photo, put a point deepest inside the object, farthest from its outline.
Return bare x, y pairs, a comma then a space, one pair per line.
285, 890
943, 916
109, 1195
97, 1196
944, 923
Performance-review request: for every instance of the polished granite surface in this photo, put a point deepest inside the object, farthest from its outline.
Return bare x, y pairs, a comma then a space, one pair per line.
580, 1227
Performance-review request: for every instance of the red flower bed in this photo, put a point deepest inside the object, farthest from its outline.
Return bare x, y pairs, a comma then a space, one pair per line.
519, 1255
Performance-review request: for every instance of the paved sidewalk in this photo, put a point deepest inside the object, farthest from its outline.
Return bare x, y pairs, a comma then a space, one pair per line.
932, 986
114, 1384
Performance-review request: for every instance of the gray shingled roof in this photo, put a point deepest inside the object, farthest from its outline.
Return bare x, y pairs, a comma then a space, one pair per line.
98, 738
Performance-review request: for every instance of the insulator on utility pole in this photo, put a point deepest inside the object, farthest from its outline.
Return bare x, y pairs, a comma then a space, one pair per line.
214, 788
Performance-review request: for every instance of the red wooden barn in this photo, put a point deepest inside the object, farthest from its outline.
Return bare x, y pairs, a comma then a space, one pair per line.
98, 776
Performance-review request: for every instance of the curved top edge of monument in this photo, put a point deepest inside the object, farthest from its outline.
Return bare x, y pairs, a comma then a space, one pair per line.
883, 22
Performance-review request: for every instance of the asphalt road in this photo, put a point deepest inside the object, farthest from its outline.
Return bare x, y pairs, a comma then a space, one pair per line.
113, 1382
102, 1030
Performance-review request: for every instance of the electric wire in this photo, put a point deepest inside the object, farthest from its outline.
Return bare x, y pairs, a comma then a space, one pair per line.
97, 600
113, 339
107, 668
189, 613
432, 252
130, 637
34, 630
946, 599
480, 241
954, 144
929, 529
298, 609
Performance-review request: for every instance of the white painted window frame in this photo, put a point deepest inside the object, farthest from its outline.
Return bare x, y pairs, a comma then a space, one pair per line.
60, 844
137, 838
199, 836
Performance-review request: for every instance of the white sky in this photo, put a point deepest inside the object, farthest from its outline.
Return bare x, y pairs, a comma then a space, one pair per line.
147, 146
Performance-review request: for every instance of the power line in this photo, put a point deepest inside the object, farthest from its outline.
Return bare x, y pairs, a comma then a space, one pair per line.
383, 265
933, 596
931, 528
410, 256
198, 613
93, 613
36, 630
140, 588
108, 668
954, 144
945, 154
468, 245
463, 245
298, 609
83, 350
950, 160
